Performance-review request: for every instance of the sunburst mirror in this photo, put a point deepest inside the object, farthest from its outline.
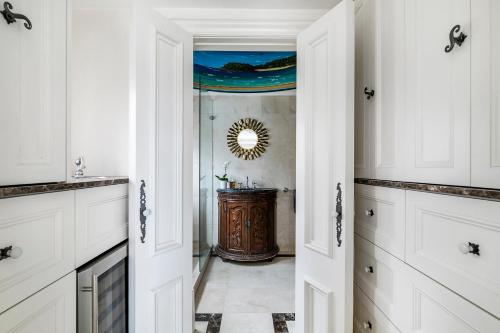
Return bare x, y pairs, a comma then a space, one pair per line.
248, 139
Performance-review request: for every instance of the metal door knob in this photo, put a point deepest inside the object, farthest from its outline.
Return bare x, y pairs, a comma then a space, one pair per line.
469, 247
12, 252
147, 212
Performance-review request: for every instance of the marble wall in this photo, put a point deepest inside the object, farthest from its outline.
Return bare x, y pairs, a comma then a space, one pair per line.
275, 168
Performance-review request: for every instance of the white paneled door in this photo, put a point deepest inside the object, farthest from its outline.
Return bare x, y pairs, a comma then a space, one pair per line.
325, 159
161, 219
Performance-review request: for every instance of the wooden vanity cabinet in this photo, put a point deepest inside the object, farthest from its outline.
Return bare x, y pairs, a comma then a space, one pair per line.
247, 225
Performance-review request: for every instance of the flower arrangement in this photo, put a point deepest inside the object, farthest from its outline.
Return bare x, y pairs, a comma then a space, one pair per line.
224, 178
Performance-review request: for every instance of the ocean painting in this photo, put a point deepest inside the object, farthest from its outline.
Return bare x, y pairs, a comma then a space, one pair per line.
245, 71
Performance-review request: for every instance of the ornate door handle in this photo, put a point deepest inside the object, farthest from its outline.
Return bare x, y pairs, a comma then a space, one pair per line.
369, 93
338, 215
11, 17
143, 211
248, 224
455, 40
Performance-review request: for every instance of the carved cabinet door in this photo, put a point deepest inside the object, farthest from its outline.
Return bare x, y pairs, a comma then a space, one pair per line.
237, 217
258, 228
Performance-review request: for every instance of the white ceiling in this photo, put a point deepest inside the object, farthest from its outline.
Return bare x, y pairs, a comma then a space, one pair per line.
250, 4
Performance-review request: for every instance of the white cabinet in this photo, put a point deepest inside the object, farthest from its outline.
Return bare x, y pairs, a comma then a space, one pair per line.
456, 242
53, 310
437, 92
101, 220
434, 114
42, 229
33, 94
368, 318
485, 94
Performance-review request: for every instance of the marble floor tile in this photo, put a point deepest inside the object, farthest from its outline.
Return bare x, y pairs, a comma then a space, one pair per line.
247, 323
258, 300
211, 301
291, 326
200, 326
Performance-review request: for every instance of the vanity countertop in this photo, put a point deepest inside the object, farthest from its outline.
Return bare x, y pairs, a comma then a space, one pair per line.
11, 191
246, 190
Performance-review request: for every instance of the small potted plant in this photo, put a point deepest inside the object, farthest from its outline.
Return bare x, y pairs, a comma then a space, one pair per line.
223, 179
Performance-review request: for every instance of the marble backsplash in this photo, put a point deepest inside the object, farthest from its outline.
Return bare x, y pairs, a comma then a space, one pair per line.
275, 168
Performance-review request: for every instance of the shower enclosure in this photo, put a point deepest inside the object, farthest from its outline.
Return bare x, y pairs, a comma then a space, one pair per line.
204, 189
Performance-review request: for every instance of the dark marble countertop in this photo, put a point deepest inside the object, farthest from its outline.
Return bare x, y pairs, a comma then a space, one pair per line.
461, 191
32, 189
247, 190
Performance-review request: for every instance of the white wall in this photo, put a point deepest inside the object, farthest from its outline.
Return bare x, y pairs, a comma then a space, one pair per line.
276, 167
99, 91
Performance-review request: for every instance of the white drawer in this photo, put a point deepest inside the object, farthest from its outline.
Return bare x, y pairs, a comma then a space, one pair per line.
434, 309
43, 227
437, 227
381, 277
368, 318
52, 310
380, 217
101, 220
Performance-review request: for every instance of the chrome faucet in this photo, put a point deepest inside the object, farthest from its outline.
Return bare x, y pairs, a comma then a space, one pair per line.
79, 167
247, 183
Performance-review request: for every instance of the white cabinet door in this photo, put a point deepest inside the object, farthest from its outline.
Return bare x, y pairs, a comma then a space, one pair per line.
364, 78
53, 310
485, 94
438, 92
325, 172
101, 217
42, 228
33, 94
388, 136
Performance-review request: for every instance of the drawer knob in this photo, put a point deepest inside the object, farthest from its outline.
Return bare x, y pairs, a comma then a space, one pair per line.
469, 247
12, 252
367, 325
369, 212
369, 269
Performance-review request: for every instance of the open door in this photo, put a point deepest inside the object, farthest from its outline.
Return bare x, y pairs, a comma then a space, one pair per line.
161, 175
325, 181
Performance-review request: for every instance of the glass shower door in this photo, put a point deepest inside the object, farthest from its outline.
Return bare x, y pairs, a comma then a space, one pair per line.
206, 177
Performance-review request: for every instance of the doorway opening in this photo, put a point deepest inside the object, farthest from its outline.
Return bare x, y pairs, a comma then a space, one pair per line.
244, 215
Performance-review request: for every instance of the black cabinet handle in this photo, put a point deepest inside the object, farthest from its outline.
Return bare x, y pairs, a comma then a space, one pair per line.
369, 93
11, 17
455, 40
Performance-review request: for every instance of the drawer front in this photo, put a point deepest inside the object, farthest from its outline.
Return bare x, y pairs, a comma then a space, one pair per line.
368, 318
43, 228
53, 310
381, 277
101, 220
439, 228
435, 309
380, 217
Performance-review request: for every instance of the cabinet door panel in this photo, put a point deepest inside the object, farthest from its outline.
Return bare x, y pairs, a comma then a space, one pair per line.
53, 310
236, 218
258, 214
438, 92
33, 94
388, 134
485, 96
364, 56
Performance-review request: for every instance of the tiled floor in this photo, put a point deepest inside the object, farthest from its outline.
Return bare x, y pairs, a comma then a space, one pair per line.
247, 295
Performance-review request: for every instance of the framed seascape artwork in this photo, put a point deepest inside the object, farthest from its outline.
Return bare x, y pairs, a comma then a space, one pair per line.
244, 71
